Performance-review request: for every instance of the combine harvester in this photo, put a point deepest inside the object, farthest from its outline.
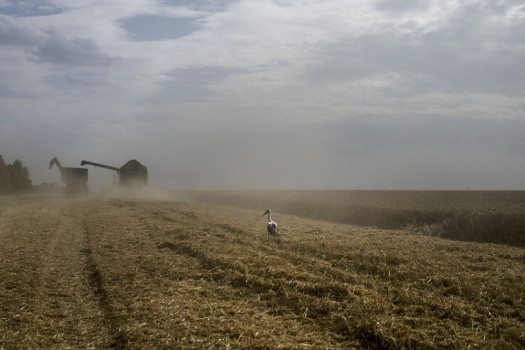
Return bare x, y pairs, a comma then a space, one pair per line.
74, 178
131, 175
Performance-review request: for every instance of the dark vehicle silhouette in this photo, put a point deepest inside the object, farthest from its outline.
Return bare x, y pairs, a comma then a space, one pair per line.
74, 178
131, 174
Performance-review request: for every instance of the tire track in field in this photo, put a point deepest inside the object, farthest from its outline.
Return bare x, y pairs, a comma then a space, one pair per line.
333, 265
262, 278
55, 303
69, 306
263, 244
97, 285
265, 290
295, 278
285, 275
295, 253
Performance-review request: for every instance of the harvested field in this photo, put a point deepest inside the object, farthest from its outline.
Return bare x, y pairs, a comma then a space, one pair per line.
147, 274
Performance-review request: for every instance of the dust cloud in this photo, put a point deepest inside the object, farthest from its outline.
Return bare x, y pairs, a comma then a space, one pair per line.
148, 193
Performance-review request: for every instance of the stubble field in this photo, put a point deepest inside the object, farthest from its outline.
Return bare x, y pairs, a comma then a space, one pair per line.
137, 274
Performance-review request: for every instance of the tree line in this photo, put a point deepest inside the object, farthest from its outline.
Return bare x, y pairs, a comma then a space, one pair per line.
14, 177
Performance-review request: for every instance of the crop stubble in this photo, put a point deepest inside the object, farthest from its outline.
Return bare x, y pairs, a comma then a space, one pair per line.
135, 274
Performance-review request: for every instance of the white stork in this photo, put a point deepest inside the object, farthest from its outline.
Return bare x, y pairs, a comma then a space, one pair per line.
272, 225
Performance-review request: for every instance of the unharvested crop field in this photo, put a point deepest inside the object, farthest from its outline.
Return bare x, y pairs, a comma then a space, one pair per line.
137, 274
479, 216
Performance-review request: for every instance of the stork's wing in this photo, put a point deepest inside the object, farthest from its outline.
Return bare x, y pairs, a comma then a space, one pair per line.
272, 228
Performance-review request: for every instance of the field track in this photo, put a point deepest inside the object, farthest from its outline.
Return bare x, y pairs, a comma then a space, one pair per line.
123, 273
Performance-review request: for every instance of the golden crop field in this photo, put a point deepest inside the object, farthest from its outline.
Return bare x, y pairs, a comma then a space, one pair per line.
479, 216
129, 273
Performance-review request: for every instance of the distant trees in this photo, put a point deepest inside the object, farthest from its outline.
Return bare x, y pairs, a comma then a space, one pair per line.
14, 177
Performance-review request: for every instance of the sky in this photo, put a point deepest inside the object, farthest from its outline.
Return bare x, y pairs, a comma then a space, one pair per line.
268, 94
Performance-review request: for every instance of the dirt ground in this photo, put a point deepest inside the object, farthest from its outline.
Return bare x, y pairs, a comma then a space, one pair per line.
122, 273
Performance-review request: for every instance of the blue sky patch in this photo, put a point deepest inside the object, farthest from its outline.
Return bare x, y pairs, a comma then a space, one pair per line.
213, 5
41, 9
152, 28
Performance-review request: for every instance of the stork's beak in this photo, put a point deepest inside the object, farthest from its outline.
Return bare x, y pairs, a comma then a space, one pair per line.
266, 212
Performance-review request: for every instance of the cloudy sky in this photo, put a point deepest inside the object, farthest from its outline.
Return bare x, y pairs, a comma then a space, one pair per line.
303, 94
